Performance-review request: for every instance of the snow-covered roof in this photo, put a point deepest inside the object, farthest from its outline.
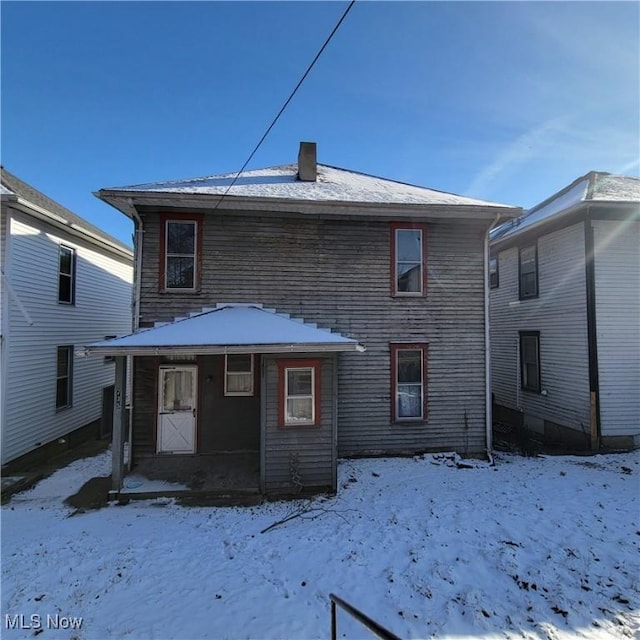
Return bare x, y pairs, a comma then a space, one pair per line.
4, 191
594, 187
229, 328
332, 184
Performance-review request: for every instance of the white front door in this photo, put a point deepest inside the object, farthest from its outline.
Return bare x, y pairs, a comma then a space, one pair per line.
177, 409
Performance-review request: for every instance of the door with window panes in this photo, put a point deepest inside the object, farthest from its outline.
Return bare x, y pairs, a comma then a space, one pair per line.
177, 409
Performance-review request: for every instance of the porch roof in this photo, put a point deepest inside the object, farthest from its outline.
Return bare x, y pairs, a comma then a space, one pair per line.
229, 328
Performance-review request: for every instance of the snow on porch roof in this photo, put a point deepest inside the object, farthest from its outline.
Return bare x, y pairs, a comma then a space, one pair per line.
229, 328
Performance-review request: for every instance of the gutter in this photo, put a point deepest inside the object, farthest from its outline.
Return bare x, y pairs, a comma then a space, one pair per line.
212, 349
488, 408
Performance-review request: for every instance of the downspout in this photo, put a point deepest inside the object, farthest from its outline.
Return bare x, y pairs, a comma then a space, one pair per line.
137, 279
487, 345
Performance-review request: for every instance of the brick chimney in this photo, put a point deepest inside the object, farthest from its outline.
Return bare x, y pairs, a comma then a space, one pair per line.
307, 166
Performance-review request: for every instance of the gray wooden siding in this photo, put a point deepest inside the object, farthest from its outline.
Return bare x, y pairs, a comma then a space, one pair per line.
617, 276
314, 447
559, 314
103, 307
226, 423
145, 405
336, 273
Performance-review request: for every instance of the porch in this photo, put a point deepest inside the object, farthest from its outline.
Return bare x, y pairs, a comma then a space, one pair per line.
220, 476
236, 378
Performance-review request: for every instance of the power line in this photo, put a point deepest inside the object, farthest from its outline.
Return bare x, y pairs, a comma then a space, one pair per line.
286, 104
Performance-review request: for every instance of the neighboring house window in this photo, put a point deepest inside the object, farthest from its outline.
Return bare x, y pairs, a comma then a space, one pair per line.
530, 360
408, 382
66, 275
528, 269
64, 377
408, 259
238, 374
180, 244
493, 273
299, 393
110, 358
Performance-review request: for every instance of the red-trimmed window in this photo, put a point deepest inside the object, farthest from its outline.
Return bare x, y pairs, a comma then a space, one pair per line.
180, 249
408, 259
299, 393
408, 382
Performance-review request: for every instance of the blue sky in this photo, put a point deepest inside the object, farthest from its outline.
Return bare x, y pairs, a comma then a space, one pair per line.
506, 101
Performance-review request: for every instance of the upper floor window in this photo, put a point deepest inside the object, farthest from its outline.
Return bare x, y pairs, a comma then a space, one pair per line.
66, 275
530, 360
408, 382
408, 258
528, 270
180, 248
494, 278
64, 372
299, 393
238, 374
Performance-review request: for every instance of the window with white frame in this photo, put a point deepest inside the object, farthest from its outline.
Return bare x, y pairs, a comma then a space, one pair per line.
530, 360
299, 389
408, 381
408, 259
528, 271
238, 374
494, 277
181, 242
66, 275
64, 376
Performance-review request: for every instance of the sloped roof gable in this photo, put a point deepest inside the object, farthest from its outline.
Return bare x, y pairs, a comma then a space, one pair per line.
333, 184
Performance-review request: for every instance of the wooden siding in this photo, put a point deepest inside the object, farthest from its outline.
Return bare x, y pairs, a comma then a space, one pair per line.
103, 307
336, 273
559, 314
617, 278
225, 423
145, 406
311, 450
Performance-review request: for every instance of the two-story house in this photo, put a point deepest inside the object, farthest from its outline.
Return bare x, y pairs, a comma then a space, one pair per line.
565, 316
64, 283
300, 313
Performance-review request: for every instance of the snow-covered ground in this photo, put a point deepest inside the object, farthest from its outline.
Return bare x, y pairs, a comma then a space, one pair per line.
531, 547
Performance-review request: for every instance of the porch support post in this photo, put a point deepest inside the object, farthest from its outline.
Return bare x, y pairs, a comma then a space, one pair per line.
119, 425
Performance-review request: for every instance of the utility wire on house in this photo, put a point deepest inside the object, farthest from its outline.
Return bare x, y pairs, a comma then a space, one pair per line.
286, 104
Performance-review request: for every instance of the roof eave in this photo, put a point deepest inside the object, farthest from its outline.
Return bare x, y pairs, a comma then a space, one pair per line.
127, 201
31, 209
173, 350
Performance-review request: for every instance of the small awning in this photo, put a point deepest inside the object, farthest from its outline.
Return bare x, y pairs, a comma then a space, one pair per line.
229, 328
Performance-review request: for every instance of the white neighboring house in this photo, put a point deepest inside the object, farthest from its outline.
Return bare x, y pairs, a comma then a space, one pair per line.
64, 283
565, 315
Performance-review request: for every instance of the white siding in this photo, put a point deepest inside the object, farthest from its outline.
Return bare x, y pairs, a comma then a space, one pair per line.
559, 314
103, 307
617, 275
